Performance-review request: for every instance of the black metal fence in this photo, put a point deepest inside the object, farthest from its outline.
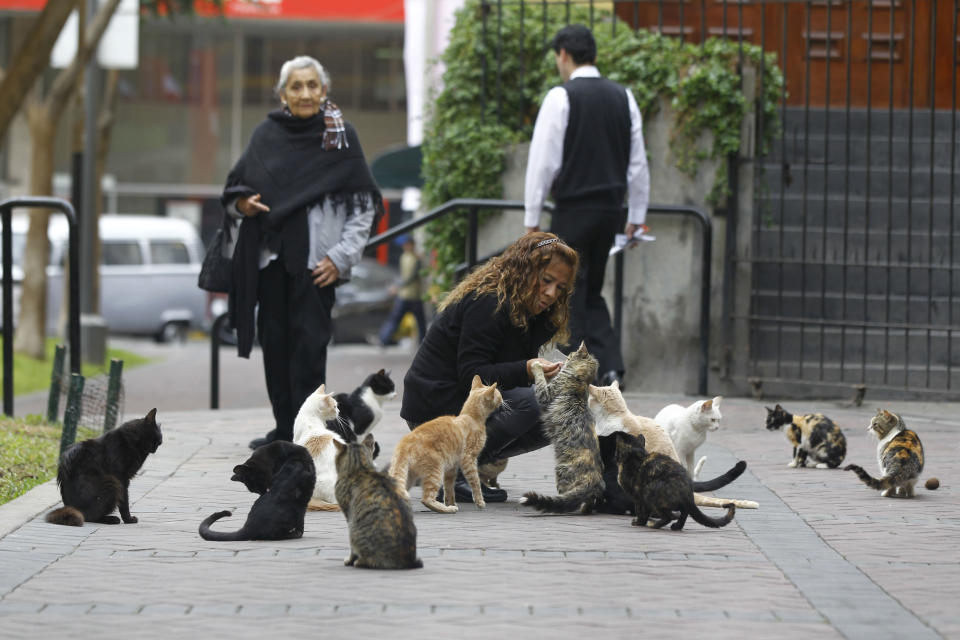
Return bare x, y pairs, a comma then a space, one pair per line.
854, 276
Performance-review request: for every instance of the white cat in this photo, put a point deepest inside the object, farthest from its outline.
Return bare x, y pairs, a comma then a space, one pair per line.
310, 430
687, 428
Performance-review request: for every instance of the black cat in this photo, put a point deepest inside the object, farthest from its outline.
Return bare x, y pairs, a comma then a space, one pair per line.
361, 410
659, 486
616, 502
93, 475
258, 472
278, 513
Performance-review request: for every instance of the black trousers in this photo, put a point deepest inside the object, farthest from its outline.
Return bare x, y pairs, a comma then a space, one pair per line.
513, 430
294, 326
591, 234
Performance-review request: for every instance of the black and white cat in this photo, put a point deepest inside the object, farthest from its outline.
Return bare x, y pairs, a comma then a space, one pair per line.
362, 409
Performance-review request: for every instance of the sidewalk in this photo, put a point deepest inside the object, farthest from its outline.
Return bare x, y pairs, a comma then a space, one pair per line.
823, 556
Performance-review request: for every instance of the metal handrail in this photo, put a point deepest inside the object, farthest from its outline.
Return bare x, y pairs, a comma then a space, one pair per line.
73, 258
474, 205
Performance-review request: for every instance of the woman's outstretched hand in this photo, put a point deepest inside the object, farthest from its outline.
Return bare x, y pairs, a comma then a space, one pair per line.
550, 369
251, 205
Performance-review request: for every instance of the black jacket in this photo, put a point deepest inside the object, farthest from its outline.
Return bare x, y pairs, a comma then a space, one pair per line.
470, 337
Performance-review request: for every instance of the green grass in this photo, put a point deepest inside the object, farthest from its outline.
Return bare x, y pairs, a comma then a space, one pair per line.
29, 449
31, 375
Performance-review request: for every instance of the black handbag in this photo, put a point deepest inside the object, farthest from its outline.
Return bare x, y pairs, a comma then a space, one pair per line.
215, 271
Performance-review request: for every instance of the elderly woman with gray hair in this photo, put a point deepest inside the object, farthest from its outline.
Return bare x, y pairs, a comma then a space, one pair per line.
304, 200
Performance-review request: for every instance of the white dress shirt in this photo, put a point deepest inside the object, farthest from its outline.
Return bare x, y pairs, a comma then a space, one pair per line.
546, 154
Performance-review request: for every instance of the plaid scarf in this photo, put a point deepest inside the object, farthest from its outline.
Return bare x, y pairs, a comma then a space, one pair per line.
335, 134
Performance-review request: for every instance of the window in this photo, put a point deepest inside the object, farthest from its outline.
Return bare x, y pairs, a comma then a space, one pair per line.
121, 253
168, 252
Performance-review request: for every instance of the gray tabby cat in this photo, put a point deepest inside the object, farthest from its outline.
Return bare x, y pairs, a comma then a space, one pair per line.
899, 456
568, 424
382, 533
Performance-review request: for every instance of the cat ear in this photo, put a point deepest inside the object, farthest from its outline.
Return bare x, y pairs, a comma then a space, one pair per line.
381, 372
477, 383
706, 406
778, 408
716, 401
369, 442
151, 415
323, 388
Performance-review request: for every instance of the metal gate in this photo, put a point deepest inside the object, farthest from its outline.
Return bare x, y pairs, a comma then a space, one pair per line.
855, 243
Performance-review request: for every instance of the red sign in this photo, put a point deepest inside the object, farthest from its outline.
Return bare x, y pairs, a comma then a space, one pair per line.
330, 10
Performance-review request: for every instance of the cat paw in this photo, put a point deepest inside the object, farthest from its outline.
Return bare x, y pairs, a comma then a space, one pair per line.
481, 503
636, 522
821, 465
523, 500
792, 464
131, 520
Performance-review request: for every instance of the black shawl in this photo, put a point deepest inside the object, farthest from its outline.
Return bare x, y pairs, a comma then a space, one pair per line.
286, 163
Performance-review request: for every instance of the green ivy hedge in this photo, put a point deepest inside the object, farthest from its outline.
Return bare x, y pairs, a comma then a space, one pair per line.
465, 142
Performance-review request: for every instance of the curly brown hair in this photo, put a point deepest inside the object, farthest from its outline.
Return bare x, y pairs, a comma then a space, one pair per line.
514, 276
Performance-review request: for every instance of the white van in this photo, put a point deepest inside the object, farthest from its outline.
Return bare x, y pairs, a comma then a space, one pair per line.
148, 273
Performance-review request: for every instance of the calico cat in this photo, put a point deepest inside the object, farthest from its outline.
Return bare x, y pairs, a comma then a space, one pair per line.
687, 428
568, 424
311, 430
812, 435
611, 415
94, 475
437, 448
278, 513
659, 486
899, 456
382, 533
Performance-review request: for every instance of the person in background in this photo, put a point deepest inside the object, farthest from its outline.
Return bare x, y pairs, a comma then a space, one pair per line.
305, 201
587, 148
408, 294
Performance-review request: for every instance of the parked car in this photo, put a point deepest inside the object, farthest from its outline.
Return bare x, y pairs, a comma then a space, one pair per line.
148, 274
363, 302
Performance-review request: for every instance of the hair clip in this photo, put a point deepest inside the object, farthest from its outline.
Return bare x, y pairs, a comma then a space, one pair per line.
544, 243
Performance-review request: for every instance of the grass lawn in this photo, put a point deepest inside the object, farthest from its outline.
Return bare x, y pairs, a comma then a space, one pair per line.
34, 375
29, 450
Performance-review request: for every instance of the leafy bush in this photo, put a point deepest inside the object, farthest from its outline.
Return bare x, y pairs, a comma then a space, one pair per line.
479, 114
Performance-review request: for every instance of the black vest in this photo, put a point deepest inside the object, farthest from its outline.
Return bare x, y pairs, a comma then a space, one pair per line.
596, 148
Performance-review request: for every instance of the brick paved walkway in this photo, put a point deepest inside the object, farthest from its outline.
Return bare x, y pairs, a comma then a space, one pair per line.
823, 556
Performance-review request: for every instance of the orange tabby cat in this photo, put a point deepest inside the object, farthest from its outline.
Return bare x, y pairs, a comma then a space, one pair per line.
436, 449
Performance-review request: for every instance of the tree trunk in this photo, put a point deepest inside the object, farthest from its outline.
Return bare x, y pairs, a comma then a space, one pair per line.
31, 59
30, 337
105, 122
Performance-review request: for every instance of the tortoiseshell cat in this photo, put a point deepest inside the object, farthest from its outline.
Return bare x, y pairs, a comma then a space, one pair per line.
899, 456
568, 424
659, 486
94, 475
382, 533
437, 448
812, 435
611, 414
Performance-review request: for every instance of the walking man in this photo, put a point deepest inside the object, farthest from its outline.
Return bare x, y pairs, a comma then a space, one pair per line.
587, 151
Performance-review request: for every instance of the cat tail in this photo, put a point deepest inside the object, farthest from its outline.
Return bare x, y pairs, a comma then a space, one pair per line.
317, 504
587, 496
721, 480
714, 523
881, 484
69, 516
218, 536
710, 501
